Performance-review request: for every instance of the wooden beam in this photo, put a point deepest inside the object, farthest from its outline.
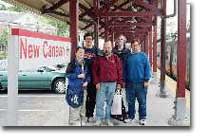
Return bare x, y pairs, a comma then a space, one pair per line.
125, 14
147, 6
54, 6
121, 24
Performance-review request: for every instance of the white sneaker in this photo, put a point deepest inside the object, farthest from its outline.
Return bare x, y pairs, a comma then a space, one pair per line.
142, 122
109, 123
83, 123
129, 120
98, 123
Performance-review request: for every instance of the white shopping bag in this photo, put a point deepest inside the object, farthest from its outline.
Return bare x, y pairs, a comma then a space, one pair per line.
116, 108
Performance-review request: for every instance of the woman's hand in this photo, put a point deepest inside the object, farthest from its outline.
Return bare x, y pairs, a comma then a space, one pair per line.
85, 84
81, 76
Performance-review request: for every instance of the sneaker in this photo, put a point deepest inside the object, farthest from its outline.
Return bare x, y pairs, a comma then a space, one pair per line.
109, 123
90, 119
98, 123
129, 120
82, 123
142, 122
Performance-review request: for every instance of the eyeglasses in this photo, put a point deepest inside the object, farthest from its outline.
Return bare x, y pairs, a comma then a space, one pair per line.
135, 44
89, 38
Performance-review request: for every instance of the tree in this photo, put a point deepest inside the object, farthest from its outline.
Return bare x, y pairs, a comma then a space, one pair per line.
62, 28
2, 7
16, 9
4, 37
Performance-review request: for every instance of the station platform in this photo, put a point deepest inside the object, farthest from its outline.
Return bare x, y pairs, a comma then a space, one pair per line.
51, 109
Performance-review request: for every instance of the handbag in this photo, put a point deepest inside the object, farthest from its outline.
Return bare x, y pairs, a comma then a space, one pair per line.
74, 97
116, 108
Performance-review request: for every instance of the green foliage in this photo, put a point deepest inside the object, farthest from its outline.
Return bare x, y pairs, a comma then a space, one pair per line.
61, 26
3, 55
16, 9
4, 37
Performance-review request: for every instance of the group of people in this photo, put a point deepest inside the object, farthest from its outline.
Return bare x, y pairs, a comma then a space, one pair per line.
94, 75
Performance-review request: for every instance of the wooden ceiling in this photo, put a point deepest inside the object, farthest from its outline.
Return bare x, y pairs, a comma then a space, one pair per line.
59, 9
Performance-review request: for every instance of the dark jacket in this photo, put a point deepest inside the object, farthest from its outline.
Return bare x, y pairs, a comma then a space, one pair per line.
122, 54
72, 72
107, 70
137, 68
90, 55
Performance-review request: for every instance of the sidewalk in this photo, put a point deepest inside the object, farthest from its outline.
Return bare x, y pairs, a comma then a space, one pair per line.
159, 110
52, 110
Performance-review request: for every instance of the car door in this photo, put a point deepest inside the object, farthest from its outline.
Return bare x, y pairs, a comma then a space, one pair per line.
33, 80
3, 79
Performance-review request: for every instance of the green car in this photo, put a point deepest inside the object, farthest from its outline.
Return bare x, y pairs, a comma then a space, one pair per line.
43, 78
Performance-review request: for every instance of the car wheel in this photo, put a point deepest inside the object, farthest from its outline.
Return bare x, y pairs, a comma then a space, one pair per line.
59, 86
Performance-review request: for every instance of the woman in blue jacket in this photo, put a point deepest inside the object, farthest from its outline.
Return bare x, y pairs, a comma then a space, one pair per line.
78, 79
138, 73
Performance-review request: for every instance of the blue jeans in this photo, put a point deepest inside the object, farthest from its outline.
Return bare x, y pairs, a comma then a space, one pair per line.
104, 95
138, 92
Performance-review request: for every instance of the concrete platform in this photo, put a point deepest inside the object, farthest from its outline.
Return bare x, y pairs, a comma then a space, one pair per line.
51, 110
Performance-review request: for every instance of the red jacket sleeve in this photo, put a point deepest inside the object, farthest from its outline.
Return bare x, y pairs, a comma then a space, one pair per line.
95, 71
119, 71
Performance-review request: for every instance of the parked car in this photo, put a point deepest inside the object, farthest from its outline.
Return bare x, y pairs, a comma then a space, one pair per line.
43, 78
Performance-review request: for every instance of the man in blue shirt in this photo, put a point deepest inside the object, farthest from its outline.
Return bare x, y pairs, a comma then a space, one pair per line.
138, 73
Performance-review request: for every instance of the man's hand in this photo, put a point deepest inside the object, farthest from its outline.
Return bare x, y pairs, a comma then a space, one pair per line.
146, 84
85, 84
81, 76
98, 86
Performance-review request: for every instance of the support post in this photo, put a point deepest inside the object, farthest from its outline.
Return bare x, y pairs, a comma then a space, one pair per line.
142, 45
73, 26
155, 80
155, 48
112, 38
150, 47
146, 45
96, 36
179, 118
96, 24
163, 92
13, 66
73, 7
106, 29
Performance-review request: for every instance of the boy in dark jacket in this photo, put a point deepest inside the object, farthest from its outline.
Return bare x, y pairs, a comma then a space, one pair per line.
138, 73
89, 56
78, 79
121, 51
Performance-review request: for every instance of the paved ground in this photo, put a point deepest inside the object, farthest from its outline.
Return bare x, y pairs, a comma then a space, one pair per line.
48, 109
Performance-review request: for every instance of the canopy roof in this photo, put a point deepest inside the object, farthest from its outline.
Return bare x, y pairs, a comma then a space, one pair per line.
138, 13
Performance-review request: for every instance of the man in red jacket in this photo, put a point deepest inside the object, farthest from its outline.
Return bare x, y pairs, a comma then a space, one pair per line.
107, 76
